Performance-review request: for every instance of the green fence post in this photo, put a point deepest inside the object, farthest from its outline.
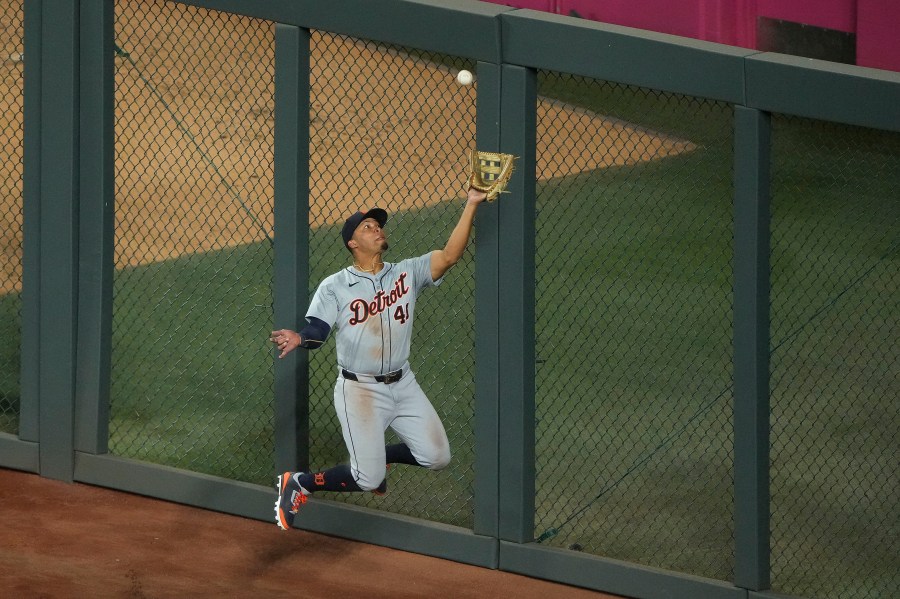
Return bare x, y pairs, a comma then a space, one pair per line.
751, 347
487, 316
59, 234
291, 269
96, 234
516, 288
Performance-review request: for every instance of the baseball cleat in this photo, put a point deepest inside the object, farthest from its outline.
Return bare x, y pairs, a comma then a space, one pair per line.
290, 497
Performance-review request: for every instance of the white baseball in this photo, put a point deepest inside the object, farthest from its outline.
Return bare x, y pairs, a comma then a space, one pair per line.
465, 77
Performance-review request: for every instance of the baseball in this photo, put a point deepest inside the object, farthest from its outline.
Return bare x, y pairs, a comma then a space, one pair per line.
465, 77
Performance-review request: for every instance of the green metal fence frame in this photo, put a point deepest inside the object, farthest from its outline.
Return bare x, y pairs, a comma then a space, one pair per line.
67, 283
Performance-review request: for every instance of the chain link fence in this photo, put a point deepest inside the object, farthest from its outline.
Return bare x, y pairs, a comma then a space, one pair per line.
11, 106
835, 360
389, 128
192, 377
634, 322
634, 325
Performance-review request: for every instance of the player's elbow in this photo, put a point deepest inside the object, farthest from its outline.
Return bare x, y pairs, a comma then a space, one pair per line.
451, 258
442, 261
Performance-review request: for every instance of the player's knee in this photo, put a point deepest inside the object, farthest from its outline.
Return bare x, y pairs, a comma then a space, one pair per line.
440, 460
370, 480
368, 484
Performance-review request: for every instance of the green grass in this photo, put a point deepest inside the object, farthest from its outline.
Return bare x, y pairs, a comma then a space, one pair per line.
191, 372
633, 344
835, 366
680, 116
10, 340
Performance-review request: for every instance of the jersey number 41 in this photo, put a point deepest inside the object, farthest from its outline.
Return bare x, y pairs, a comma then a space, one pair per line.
402, 313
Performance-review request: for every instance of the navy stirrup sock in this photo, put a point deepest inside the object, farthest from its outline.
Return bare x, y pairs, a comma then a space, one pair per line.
338, 478
399, 454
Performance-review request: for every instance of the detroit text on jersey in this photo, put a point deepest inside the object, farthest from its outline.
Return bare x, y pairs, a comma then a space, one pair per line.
363, 309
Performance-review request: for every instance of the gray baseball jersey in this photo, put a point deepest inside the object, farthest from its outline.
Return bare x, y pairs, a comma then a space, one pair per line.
372, 315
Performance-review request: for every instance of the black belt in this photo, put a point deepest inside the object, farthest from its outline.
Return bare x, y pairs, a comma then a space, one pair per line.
387, 379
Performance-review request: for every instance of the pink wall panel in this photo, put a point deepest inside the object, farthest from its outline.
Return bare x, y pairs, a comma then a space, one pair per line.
878, 34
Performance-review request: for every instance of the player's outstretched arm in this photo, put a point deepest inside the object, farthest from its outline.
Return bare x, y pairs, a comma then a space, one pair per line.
442, 260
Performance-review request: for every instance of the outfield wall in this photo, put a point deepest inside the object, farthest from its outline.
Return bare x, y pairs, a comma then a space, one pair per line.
666, 364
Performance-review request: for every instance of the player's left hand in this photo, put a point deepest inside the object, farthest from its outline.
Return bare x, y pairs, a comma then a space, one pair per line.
475, 197
285, 340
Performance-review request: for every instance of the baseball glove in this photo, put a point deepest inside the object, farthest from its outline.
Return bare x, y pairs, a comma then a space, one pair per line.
490, 172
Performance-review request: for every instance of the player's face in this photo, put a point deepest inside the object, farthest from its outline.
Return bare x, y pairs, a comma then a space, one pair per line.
370, 237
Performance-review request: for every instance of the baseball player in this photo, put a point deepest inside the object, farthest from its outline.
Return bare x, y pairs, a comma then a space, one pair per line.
371, 306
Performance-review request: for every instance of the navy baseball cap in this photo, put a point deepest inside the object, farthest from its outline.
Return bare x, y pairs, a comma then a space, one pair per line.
378, 214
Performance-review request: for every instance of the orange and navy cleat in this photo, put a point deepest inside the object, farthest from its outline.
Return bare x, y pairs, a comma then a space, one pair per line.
290, 497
